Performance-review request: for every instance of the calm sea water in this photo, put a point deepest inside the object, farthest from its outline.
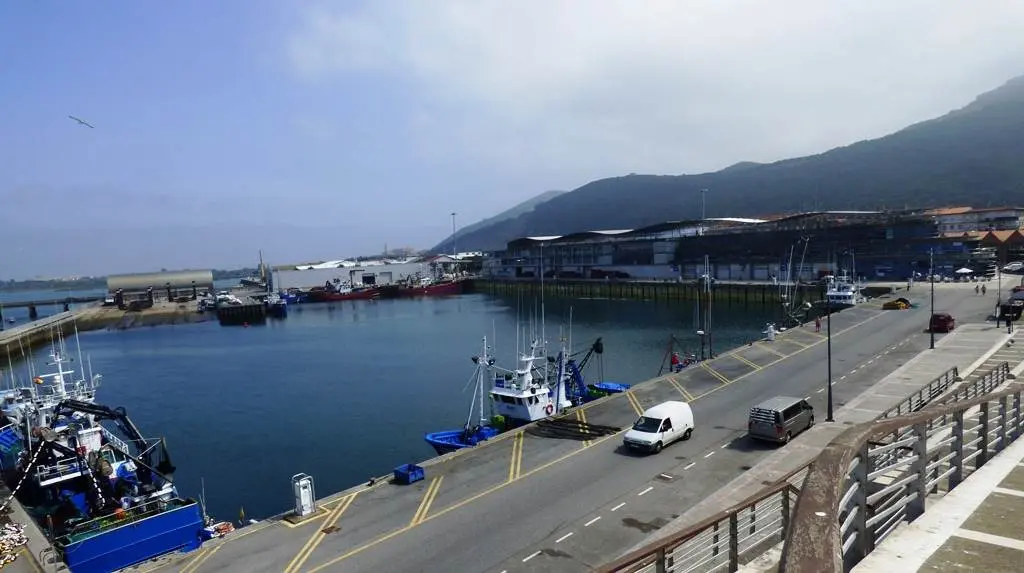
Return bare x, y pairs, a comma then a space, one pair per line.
345, 392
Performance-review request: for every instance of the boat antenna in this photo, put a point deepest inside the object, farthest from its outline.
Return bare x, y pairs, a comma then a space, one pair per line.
10, 365
543, 334
78, 343
202, 495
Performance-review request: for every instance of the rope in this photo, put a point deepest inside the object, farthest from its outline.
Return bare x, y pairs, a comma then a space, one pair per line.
21, 482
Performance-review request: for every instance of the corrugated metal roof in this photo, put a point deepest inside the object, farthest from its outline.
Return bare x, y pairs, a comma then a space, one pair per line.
177, 279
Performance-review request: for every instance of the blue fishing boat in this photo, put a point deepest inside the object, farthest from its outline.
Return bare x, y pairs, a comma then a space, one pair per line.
277, 307
105, 501
471, 434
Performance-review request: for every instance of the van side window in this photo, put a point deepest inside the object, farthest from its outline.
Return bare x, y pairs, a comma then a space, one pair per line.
805, 405
667, 425
792, 411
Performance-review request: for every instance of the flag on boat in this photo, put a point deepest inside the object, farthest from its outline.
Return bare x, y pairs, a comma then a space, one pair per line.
37, 380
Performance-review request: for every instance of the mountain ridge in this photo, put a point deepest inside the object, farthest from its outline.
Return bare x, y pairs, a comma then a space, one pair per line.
970, 156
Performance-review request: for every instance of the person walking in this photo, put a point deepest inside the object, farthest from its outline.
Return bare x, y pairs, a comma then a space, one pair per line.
977, 289
983, 290
817, 324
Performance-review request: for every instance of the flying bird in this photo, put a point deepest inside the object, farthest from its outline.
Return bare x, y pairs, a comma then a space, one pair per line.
82, 122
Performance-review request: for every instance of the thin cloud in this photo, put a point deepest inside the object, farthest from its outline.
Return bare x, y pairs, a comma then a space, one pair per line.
599, 88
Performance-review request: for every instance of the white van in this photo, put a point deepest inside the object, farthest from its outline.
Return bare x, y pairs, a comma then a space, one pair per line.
659, 426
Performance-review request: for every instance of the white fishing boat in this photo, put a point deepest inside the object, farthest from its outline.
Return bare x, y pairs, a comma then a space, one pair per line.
842, 292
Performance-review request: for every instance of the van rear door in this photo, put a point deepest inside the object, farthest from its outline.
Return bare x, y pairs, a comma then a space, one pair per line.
764, 422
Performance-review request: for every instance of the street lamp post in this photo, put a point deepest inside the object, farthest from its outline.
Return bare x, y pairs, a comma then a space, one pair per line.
931, 279
454, 251
828, 345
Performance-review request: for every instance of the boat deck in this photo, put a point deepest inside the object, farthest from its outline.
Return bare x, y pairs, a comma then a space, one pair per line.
493, 507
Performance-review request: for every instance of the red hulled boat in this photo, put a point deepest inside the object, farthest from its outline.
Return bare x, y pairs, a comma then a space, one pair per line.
320, 294
441, 288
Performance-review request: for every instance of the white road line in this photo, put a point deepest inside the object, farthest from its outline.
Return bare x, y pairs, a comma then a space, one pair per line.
695, 463
709, 454
843, 377
869, 362
807, 398
530, 556
649, 488
564, 537
617, 507
592, 521
819, 391
852, 371
726, 445
666, 476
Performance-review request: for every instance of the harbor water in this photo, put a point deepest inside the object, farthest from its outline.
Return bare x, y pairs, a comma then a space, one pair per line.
346, 391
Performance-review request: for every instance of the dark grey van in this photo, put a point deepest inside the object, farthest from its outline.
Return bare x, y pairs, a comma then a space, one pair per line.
779, 419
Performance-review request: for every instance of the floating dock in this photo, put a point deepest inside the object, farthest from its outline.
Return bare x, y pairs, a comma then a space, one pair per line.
561, 494
250, 312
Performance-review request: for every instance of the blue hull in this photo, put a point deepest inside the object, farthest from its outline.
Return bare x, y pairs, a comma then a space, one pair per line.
447, 441
134, 542
277, 310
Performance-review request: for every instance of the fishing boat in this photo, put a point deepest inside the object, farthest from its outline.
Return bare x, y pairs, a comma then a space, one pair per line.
470, 434
430, 287
842, 292
334, 293
105, 501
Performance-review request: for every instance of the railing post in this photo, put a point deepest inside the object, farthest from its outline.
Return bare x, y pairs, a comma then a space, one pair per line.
865, 540
983, 433
659, 564
957, 461
1016, 415
1002, 424
920, 467
785, 512
714, 542
753, 518
734, 543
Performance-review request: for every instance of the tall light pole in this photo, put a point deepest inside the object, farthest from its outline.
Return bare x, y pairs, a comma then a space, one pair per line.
454, 252
931, 279
828, 344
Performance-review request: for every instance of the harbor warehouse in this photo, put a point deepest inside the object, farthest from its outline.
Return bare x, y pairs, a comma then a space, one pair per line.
177, 283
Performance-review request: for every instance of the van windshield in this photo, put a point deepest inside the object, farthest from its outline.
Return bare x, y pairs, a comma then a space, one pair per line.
645, 424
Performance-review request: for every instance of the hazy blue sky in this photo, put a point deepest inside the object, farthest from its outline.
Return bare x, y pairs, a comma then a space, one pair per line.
317, 130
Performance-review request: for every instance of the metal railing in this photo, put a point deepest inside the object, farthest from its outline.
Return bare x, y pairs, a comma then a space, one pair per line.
925, 395
860, 491
725, 540
744, 531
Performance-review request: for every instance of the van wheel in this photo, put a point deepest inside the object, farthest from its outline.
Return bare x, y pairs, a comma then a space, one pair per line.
789, 436
657, 447
686, 434
811, 423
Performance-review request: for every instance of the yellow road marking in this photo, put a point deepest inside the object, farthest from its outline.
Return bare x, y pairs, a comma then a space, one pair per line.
745, 361
300, 558
715, 373
686, 394
428, 498
516, 463
797, 342
492, 489
27, 555
581, 417
634, 402
773, 351
200, 559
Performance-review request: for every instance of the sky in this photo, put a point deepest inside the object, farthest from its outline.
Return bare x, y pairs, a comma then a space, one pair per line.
318, 130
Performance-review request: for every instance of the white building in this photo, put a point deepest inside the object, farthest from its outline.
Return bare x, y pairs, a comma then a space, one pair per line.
367, 273
958, 220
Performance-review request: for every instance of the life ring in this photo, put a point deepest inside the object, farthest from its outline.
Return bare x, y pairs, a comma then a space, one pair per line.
549, 409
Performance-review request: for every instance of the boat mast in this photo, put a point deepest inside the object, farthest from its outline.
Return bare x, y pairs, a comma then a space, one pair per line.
481, 378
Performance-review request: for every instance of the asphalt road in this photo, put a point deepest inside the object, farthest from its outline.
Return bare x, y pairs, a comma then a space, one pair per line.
564, 497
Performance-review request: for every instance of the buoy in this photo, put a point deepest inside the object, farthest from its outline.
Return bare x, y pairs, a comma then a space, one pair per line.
245, 324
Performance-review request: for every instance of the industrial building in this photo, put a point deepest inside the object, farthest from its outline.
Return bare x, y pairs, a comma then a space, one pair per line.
163, 285
363, 273
869, 244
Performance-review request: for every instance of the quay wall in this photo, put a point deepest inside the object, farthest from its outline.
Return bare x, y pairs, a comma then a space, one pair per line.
722, 292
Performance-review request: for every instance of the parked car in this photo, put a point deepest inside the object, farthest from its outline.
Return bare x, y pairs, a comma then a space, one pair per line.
941, 322
659, 426
780, 418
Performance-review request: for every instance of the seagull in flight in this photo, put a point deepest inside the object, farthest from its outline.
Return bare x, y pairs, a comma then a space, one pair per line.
82, 122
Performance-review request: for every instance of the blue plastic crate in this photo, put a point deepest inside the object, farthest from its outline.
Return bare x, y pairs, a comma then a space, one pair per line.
406, 474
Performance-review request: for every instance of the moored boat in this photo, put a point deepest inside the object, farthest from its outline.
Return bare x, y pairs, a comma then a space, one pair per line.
333, 293
105, 501
430, 287
470, 434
